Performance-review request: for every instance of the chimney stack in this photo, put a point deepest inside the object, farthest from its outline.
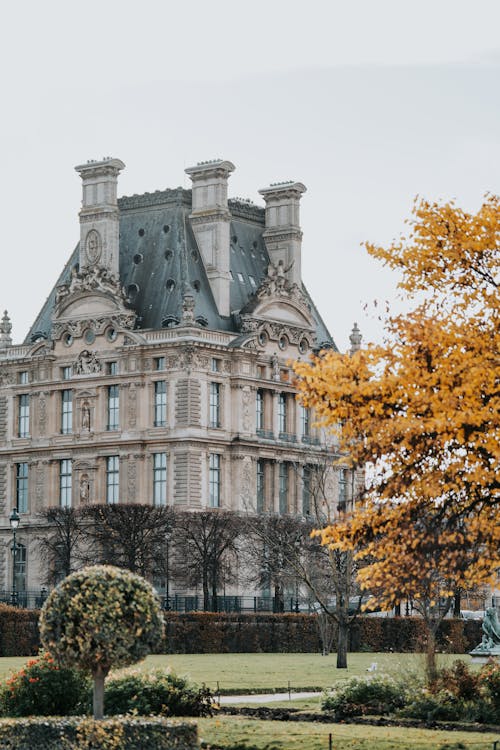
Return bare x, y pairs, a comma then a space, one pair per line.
283, 236
99, 216
210, 219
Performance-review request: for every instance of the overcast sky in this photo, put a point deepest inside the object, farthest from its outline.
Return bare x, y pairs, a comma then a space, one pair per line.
368, 102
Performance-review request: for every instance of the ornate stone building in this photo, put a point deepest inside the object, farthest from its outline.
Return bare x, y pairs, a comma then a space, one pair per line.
158, 369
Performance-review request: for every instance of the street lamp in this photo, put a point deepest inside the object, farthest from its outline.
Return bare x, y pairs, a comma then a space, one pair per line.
14, 520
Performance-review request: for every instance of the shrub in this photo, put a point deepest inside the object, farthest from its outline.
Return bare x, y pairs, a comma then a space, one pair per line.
43, 688
19, 635
489, 680
438, 706
375, 695
101, 617
458, 680
119, 733
158, 693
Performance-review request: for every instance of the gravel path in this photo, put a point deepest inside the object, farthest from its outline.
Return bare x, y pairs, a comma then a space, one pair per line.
264, 698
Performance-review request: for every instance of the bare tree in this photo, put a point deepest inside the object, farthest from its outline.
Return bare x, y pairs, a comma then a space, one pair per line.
205, 550
61, 543
130, 536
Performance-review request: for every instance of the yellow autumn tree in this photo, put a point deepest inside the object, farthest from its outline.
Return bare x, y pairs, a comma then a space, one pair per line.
422, 412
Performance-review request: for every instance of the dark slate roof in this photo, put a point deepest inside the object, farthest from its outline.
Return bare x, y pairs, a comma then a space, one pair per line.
160, 261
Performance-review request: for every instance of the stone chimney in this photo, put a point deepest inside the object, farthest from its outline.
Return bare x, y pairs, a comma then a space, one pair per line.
210, 219
5, 330
99, 217
355, 339
283, 236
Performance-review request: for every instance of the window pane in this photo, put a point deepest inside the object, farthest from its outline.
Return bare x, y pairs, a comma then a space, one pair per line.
67, 412
260, 485
22, 487
112, 479
259, 416
65, 483
282, 412
113, 407
214, 404
24, 415
283, 488
160, 478
160, 403
214, 480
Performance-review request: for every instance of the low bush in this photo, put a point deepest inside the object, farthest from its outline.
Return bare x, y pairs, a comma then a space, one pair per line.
489, 680
374, 695
124, 732
43, 688
158, 693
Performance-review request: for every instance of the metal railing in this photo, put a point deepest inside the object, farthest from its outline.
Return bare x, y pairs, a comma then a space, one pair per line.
185, 603
24, 599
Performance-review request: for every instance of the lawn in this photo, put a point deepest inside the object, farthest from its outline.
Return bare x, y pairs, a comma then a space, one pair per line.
268, 672
273, 735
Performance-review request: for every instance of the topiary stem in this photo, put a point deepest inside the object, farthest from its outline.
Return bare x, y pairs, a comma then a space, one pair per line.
98, 696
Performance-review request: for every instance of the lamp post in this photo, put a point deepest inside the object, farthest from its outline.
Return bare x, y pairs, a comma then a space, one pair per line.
14, 520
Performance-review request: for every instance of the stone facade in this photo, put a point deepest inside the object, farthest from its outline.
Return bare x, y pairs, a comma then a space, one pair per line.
124, 364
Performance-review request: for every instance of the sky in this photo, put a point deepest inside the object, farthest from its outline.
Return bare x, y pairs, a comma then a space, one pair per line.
368, 103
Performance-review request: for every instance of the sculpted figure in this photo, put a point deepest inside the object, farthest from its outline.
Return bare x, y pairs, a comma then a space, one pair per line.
85, 417
491, 629
84, 489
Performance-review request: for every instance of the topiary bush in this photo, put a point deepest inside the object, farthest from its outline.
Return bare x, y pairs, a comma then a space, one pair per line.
100, 617
158, 693
44, 688
374, 695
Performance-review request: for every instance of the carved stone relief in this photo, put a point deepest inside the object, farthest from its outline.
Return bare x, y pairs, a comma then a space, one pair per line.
131, 479
245, 402
42, 413
87, 363
132, 405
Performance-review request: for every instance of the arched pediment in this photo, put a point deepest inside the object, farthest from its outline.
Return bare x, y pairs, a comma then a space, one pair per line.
283, 310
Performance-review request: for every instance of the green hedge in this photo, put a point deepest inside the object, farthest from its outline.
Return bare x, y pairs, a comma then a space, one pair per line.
19, 633
212, 633
126, 733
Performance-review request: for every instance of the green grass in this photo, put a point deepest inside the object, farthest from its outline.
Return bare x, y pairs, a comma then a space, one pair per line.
268, 672
228, 731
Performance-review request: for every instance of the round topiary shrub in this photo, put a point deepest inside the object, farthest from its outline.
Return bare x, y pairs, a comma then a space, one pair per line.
98, 618
43, 688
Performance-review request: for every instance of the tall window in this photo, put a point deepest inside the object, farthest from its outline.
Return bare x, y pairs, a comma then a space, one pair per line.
282, 412
65, 483
66, 373
22, 487
160, 478
214, 480
24, 415
20, 568
260, 485
305, 421
283, 487
306, 490
214, 404
259, 410
113, 407
160, 403
342, 489
112, 479
24, 377
67, 412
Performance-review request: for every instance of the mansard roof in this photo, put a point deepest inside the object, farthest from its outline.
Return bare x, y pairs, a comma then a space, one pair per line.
160, 261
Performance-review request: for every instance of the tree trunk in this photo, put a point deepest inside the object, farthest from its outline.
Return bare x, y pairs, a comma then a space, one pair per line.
457, 603
397, 610
342, 640
98, 702
206, 593
430, 657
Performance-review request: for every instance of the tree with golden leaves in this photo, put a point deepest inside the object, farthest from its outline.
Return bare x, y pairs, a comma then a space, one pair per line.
422, 412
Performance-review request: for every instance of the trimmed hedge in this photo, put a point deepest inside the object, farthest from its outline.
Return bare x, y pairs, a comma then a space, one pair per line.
212, 633
125, 732
19, 632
